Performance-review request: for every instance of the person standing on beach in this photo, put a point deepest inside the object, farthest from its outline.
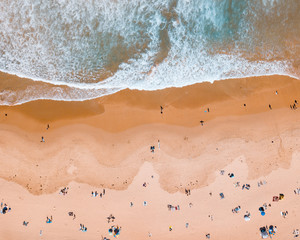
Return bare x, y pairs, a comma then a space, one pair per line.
161, 110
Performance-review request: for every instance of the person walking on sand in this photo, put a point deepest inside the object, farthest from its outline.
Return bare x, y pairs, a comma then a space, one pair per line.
161, 110
201, 122
270, 106
43, 140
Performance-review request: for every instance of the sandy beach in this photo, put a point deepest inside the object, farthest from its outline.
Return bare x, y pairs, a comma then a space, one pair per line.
201, 133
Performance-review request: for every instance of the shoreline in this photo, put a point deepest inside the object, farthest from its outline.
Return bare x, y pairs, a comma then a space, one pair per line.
11, 81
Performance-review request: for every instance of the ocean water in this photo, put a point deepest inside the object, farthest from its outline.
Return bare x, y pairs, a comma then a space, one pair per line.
82, 49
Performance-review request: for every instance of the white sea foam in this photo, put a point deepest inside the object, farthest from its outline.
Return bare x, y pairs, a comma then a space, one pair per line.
71, 44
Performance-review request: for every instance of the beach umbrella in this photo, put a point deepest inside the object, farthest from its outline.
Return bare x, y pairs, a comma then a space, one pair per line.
247, 218
262, 213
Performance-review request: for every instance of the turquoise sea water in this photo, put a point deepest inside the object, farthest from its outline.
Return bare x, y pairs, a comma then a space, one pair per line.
97, 47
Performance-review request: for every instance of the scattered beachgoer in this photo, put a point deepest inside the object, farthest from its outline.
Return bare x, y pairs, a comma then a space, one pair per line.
5, 114
296, 233
49, 220
152, 148
131, 204
236, 184
201, 122
260, 183
48, 126
207, 109
247, 216
149, 234
244, 104
276, 92
82, 228
161, 110
270, 106
246, 186
207, 236
236, 210
158, 143
43, 140
170, 228
25, 223
284, 214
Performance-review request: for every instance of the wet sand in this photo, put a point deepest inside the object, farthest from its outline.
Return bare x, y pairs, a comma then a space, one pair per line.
105, 143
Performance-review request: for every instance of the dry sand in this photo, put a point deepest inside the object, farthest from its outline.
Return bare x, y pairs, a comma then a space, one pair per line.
105, 143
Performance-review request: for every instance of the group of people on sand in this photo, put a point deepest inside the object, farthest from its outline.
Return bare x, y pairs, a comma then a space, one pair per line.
4, 208
173, 208
114, 230
111, 218
42, 138
64, 190
187, 192
95, 193
71, 214
267, 231
293, 106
